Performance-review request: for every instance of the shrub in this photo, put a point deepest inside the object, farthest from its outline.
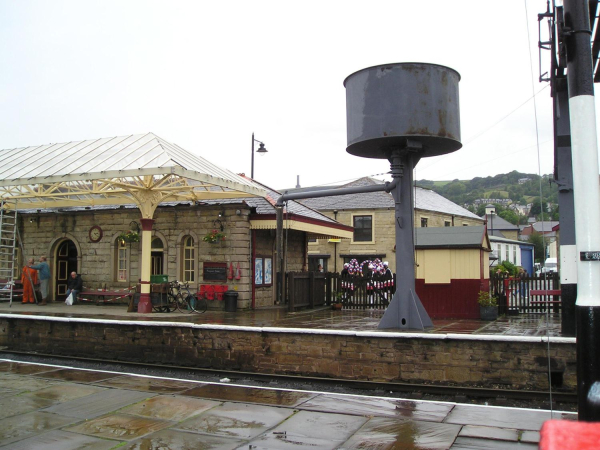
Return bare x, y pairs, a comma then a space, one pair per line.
485, 299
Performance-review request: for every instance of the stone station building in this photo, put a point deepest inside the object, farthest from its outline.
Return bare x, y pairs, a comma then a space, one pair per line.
79, 223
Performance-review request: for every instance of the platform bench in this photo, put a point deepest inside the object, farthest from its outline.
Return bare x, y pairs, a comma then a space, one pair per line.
545, 293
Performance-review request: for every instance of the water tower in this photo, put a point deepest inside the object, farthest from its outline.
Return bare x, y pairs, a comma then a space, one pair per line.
403, 112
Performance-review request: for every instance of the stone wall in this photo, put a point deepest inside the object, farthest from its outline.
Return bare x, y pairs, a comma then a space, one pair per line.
470, 361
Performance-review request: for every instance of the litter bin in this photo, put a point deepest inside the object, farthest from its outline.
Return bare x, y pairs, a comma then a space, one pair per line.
230, 298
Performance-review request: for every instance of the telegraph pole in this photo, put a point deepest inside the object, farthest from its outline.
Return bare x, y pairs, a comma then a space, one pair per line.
586, 188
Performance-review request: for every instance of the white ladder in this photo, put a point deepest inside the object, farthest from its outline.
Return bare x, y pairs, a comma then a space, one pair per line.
8, 242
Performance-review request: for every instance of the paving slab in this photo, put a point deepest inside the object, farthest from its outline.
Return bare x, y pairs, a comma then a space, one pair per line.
484, 444
65, 391
25, 383
315, 430
121, 427
170, 407
19, 427
63, 440
348, 404
520, 419
530, 436
498, 434
98, 404
276, 397
148, 384
21, 404
235, 420
180, 440
384, 433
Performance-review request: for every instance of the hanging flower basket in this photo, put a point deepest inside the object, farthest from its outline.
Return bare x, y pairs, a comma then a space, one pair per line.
214, 236
129, 236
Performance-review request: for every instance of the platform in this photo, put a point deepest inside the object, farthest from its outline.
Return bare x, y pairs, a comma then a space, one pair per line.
510, 353
321, 319
57, 407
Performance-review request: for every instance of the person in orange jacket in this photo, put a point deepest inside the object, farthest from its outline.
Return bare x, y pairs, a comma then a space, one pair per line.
29, 278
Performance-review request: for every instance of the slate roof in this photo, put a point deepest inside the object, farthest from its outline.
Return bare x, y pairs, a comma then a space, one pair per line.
498, 223
449, 237
425, 199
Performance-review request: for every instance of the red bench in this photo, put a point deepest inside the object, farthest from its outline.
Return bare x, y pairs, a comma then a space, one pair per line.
545, 293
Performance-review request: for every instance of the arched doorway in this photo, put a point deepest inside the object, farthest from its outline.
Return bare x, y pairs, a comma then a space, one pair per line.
157, 253
66, 262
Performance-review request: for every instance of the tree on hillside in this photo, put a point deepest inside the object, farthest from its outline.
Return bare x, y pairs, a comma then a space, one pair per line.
539, 249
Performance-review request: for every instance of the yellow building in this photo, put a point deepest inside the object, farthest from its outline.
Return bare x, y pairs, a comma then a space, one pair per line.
372, 217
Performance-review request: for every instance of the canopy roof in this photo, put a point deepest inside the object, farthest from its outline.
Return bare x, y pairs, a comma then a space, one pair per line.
143, 169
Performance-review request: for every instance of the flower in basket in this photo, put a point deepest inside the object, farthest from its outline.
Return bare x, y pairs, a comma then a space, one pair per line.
129, 236
214, 236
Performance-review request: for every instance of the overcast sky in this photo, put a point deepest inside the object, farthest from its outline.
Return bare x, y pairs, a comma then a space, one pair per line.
205, 75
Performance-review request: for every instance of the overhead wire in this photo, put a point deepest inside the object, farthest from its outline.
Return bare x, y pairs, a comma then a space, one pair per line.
541, 202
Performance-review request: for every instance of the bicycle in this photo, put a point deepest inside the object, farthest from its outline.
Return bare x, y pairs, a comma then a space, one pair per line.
180, 297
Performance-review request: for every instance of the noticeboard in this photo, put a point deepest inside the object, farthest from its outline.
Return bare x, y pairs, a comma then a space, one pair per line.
214, 271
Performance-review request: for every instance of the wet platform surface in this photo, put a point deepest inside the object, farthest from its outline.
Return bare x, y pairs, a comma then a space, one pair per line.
52, 407
323, 319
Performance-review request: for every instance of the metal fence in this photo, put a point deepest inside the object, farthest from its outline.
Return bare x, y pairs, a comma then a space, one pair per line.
513, 293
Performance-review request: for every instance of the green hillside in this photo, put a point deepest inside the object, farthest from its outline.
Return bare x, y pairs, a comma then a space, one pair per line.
469, 193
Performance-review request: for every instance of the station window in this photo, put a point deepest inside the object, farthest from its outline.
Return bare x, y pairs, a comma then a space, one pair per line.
424, 221
447, 223
363, 228
189, 259
121, 260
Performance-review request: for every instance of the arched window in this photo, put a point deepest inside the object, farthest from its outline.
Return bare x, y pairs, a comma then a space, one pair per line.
121, 260
189, 260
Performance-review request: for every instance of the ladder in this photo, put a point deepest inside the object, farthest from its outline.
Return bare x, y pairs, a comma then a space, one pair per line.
8, 241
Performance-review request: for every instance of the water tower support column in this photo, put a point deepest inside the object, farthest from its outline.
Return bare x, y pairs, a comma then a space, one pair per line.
405, 311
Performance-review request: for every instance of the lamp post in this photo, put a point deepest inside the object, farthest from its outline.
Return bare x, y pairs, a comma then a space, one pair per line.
261, 151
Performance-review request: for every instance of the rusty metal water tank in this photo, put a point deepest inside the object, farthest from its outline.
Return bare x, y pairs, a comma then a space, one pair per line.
388, 104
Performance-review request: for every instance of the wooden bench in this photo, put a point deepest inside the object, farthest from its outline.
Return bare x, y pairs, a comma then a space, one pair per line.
104, 296
545, 293
17, 291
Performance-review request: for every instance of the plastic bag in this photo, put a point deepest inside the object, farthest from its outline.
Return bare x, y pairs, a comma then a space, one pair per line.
69, 300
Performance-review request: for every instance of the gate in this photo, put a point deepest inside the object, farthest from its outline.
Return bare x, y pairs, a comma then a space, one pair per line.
314, 289
513, 292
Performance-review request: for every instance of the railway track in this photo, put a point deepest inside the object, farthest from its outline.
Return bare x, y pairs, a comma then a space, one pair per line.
566, 401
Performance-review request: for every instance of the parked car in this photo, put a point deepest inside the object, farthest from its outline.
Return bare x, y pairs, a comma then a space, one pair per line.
551, 265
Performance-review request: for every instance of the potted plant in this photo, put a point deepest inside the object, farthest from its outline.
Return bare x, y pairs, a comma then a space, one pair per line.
488, 306
338, 297
214, 236
129, 236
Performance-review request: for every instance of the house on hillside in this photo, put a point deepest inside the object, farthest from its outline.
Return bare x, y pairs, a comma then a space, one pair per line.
194, 221
550, 230
372, 217
519, 253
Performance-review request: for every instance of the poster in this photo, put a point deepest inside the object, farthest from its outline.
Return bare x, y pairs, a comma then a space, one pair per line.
258, 271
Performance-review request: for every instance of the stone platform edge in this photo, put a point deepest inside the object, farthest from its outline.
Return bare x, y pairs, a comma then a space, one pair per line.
312, 331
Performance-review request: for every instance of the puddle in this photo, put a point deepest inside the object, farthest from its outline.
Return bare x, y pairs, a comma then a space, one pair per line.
386, 433
65, 391
237, 420
20, 404
18, 427
179, 440
249, 395
172, 408
148, 384
119, 426
82, 376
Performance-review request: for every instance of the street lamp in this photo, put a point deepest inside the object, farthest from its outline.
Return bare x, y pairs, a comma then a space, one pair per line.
261, 151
